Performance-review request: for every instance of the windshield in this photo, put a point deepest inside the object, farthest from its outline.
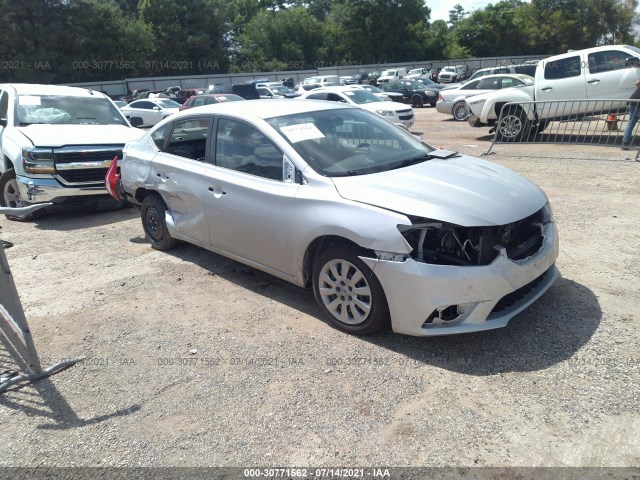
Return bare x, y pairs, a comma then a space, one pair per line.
388, 73
346, 142
362, 96
414, 84
60, 109
167, 103
372, 89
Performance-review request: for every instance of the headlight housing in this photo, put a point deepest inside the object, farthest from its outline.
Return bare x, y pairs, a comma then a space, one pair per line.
38, 160
385, 113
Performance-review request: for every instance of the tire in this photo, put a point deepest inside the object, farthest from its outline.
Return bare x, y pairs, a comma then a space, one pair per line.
513, 126
10, 197
153, 223
460, 112
340, 269
433, 104
417, 101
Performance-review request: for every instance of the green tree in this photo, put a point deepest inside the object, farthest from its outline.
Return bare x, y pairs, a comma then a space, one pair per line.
376, 30
190, 36
284, 39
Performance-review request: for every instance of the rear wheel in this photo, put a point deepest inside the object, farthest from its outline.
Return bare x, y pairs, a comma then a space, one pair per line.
417, 101
513, 126
10, 196
153, 223
348, 292
460, 111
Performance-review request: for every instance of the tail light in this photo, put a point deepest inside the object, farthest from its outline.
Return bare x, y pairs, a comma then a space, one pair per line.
440, 97
112, 179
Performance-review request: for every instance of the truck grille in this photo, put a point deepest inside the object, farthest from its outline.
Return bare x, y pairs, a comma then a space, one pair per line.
82, 165
405, 114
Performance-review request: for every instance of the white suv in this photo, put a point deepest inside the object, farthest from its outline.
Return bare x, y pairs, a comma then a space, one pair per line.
57, 143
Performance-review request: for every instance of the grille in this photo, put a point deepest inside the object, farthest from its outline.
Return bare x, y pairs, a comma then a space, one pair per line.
406, 117
84, 164
93, 175
517, 295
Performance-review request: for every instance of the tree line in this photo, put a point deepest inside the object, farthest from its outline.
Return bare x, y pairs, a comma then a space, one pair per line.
63, 41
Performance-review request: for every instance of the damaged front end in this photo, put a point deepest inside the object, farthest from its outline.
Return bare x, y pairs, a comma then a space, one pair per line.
469, 278
442, 243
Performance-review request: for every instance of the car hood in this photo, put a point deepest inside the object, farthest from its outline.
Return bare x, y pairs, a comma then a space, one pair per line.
61, 135
462, 190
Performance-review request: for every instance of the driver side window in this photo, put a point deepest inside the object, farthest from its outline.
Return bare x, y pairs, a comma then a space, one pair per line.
241, 147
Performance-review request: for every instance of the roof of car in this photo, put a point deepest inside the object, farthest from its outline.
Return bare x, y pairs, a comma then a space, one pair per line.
265, 109
39, 89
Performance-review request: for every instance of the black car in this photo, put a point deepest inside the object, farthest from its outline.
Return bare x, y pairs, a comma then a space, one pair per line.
430, 84
414, 92
247, 91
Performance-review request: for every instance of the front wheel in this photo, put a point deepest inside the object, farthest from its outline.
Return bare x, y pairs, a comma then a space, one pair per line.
513, 126
417, 101
10, 196
460, 112
153, 223
348, 292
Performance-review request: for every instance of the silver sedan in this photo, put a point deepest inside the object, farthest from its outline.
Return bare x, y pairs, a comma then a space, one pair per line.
451, 101
382, 227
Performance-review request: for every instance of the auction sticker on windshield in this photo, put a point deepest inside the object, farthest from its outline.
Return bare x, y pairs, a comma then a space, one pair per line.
301, 132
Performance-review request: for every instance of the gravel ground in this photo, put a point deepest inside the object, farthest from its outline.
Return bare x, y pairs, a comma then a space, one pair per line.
196, 360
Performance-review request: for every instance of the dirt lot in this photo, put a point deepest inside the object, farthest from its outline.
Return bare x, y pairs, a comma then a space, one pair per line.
195, 360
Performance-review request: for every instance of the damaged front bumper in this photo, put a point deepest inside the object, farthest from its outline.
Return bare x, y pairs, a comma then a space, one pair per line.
427, 300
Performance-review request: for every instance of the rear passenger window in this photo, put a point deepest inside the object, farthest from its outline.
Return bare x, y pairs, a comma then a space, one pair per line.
189, 138
563, 68
488, 84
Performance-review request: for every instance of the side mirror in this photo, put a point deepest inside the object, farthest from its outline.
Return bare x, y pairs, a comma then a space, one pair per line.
136, 121
156, 108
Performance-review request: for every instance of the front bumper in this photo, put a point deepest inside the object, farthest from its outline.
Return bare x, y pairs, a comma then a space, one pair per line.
38, 190
487, 297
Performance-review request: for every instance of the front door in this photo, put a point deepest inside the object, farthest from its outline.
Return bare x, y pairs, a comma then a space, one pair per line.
250, 205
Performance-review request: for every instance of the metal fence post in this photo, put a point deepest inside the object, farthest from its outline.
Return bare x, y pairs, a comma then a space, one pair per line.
11, 311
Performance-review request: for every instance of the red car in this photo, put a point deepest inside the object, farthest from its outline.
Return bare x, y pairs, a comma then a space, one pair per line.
199, 100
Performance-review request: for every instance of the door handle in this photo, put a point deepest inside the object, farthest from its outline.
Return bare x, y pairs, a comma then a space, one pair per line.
217, 191
593, 81
546, 89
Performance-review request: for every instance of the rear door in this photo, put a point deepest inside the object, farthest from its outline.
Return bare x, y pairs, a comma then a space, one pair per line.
179, 172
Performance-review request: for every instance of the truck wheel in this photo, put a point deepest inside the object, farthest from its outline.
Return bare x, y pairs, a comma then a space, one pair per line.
460, 112
513, 126
10, 196
417, 102
155, 228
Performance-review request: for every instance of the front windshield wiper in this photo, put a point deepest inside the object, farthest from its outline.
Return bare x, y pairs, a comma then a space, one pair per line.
348, 173
442, 154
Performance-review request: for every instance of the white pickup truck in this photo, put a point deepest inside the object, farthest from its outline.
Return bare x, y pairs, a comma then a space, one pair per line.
603, 73
57, 143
